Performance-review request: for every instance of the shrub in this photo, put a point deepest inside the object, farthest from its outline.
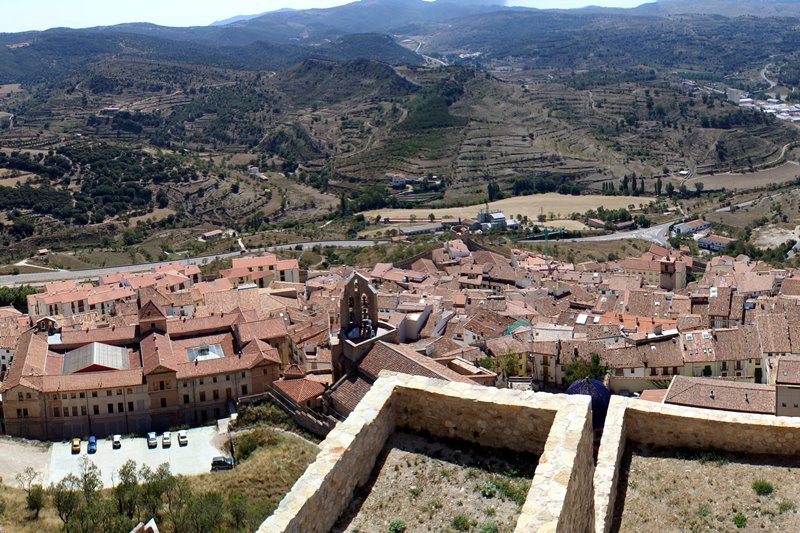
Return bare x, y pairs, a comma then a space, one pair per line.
489, 527
249, 442
460, 523
739, 520
762, 487
488, 489
786, 506
415, 491
397, 526
703, 510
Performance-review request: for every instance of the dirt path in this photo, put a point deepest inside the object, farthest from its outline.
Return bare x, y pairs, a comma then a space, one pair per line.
16, 455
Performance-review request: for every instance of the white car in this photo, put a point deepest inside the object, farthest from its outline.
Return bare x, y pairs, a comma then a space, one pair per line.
116, 442
166, 440
152, 440
183, 438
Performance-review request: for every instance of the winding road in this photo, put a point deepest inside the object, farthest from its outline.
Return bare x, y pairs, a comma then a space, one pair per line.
655, 234
60, 275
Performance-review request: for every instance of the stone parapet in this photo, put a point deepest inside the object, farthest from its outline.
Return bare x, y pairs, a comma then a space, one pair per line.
558, 428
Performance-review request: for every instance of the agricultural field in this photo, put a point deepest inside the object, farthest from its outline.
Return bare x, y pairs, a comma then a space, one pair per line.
561, 206
785, 173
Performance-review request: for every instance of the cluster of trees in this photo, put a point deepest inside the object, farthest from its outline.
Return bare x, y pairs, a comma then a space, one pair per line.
16, 296
139, 494
430, 107
543, 184
775, 256
366, 198
113, 181
733, 119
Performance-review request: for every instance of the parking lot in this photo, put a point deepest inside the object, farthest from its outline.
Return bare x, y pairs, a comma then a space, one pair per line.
195, 458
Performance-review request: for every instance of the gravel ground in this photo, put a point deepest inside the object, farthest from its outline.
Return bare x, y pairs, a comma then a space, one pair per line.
664, 491
434, 485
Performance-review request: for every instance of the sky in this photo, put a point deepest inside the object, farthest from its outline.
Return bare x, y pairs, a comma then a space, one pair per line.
24, 15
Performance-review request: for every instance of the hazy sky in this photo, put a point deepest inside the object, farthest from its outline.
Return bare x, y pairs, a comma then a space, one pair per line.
22, 15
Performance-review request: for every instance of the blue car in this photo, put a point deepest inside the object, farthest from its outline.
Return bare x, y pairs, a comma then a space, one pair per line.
92, 447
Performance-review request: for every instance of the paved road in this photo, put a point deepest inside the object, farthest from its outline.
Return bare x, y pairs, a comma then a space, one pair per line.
43, 277
655, 234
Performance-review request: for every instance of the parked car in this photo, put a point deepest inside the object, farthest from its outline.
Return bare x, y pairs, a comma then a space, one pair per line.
183, 438
166, 440
152, 440
116, 442
92, 446
221, 463
76, 445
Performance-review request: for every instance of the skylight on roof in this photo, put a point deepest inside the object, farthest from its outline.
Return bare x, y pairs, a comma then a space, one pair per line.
204, 352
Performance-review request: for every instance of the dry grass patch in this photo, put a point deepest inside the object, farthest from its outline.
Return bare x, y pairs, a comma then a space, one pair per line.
266, 475
560, 205
440, 485
679, 490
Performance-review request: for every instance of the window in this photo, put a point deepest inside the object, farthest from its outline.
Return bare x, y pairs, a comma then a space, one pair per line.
160, 385
216, 394
108, 393
56, 411
185, 384
119, 392
130, 406
55, 396
24, 412
74, 410
215, 379
66, 411
120, 407
20, 396
94, 394
633, 370
244, 389
110, 408
63, 396
185, 398
242, 374
72, 395
27, 395
82, 395
201, 381
202, 396
227, 377
83, 410
129, 391
96, 409
163, 402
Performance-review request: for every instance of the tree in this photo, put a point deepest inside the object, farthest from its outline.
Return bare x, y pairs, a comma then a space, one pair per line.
35, 499
699, 186
238, 509
27, 478
127, 491
658, 187
66, 498
493, 191
205, 511
431, 217
670, 189
580, 368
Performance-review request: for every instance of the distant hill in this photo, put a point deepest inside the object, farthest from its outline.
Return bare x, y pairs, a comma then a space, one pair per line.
242, 18
47, 55
728, 8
